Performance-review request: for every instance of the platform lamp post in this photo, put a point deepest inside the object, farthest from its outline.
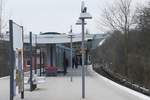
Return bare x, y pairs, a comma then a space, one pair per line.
31, 82
38, 51
71, 36
35, 54
40, 62
12, 56
83, 15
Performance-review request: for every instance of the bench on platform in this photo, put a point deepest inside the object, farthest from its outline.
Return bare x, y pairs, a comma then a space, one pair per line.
51, 70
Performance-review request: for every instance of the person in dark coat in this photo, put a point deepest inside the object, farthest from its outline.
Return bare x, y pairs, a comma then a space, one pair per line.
76, 62
73, 62
81, 60
65, 64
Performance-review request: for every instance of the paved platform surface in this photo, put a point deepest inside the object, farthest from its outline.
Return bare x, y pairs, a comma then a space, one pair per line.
60, 88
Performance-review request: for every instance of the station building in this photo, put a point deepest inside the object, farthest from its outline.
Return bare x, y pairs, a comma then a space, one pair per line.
53, 49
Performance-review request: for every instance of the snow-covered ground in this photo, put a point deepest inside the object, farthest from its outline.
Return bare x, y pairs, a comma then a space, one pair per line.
60, 88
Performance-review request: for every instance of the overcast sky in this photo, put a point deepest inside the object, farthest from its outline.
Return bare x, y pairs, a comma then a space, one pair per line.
52, 15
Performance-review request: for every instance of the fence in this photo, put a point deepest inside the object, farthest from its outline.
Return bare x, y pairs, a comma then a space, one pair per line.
4, 58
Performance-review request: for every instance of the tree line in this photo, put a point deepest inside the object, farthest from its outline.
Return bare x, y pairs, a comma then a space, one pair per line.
126, 50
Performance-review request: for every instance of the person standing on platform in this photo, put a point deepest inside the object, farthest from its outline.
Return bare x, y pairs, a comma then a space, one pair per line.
65, 64
76, 62
73, 62
80, 60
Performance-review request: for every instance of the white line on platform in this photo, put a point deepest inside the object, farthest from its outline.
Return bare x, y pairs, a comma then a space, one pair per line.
132, 92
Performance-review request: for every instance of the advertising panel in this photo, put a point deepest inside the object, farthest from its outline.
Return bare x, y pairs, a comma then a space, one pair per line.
18, 50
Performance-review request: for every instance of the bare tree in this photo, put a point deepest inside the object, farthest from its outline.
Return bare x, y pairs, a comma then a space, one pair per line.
119, 17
